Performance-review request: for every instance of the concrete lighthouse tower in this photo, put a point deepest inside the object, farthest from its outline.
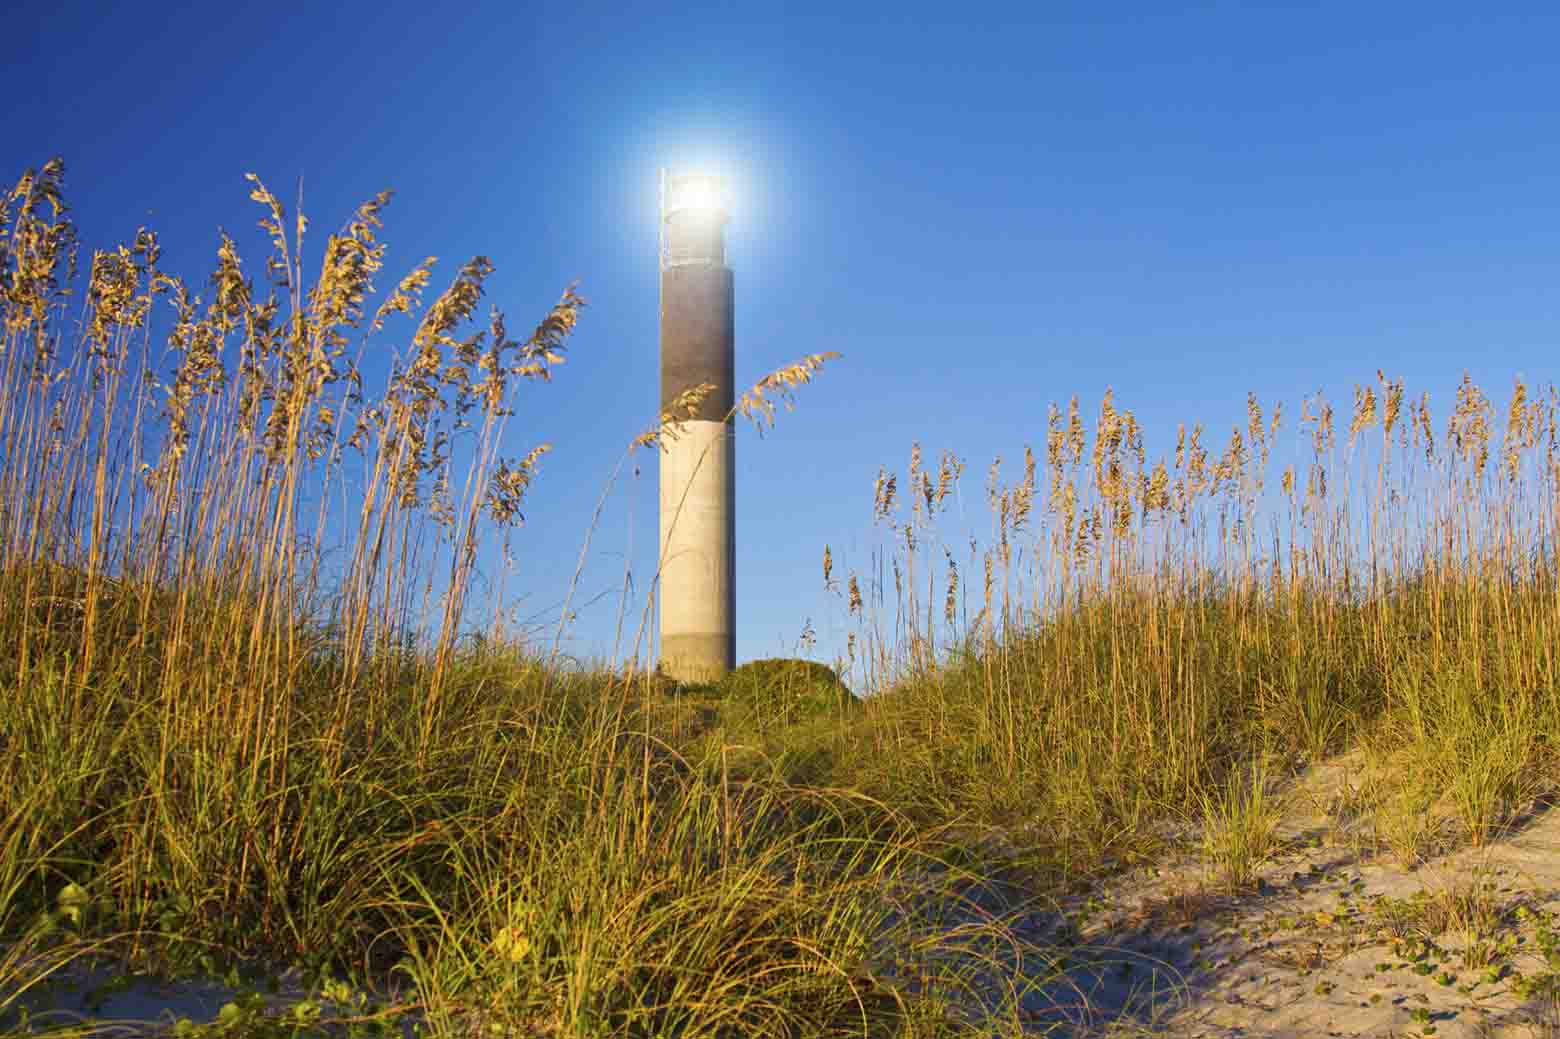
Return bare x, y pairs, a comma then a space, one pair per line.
698, 466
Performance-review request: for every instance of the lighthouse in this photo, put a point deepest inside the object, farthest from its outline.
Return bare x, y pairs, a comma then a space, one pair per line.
698, 461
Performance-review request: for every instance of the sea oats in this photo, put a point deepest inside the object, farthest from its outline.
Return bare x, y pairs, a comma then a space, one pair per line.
994, 482
1024, 496
990, 581
351, 260
407, 295
1121, 516
1196, 464
1392, 398
1231, 465
441, 506
808, 637
1254, 421
1419, 415
1552, 442
1320, 421
1552, 411
951, 599
949, 469
35, 246
1088, 534
1075, 435
758, 403
883, 493
280, 266
1468, 428
1156, 491
679, 411
1316, 486
1055, 441
1521, 428
236, 452
1106, 455
1364, 412
1260, 438
115, 305
1107, 432
1065, 506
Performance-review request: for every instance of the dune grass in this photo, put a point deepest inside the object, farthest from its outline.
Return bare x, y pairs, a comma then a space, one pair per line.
216, 749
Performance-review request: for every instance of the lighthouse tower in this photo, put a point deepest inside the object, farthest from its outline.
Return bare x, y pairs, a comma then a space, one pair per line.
698, 474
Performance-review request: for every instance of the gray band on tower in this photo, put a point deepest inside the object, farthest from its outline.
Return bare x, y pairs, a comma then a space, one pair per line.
697, 333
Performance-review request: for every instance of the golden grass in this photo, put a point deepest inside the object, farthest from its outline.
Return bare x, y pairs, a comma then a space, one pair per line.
1159, 623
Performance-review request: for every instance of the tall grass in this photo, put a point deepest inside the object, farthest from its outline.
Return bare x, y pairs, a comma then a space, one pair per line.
214, 747
211, 753
1140, 628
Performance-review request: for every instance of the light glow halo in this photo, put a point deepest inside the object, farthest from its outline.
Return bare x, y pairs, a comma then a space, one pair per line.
698, 194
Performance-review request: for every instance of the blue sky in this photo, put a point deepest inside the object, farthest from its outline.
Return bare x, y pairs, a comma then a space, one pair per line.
983, 209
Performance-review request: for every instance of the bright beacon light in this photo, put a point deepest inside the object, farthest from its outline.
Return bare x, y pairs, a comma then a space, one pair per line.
697, 195
693, 216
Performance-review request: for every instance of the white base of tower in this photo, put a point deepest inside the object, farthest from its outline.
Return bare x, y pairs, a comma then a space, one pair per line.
697, 597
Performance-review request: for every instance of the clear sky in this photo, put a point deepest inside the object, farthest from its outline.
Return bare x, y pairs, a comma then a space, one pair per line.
983, 208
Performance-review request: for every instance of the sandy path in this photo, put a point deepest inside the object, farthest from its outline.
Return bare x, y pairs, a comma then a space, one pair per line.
1334, 939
